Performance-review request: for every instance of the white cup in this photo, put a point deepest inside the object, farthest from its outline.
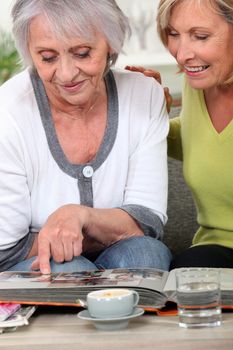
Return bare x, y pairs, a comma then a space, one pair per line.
112, 303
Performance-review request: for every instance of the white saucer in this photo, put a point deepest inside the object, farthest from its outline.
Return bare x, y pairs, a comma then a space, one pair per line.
110, 324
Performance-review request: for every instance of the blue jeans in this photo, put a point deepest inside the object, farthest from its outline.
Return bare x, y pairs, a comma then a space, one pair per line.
134, 252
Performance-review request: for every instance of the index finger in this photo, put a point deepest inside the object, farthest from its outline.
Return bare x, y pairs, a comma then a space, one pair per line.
153, 74
135, 68
44, 256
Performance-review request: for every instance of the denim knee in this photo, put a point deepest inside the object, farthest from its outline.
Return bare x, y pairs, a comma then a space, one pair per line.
79, 263
24, 265
135, 252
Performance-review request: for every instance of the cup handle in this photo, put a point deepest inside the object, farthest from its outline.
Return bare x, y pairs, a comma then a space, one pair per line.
136, 298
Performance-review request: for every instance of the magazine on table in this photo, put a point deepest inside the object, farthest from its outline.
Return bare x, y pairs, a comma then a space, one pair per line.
155, 287
15, 317
7, 310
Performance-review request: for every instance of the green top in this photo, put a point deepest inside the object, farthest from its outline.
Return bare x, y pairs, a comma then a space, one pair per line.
208, 167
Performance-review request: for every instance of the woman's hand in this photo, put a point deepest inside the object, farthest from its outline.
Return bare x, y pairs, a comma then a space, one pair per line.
156, 75
73, 228
61, 237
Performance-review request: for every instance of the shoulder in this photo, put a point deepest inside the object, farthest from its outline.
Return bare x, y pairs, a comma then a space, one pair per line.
17, 104
136, 81
15, 89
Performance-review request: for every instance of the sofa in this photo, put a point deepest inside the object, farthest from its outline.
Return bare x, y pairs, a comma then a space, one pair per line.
182, 223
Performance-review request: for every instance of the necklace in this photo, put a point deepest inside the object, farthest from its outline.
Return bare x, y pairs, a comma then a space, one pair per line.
82, 113
71, 118
82, 116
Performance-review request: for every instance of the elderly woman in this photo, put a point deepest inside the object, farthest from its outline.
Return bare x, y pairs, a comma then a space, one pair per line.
83, 172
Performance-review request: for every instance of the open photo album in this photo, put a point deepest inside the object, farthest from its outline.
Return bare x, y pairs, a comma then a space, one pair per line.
155, 287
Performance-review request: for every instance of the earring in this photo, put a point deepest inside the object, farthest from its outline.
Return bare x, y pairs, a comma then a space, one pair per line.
109, 60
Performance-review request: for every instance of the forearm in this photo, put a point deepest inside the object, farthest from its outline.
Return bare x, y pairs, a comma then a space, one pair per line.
111, 225
102, 227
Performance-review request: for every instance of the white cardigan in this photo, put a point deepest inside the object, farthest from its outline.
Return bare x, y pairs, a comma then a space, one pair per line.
33, 184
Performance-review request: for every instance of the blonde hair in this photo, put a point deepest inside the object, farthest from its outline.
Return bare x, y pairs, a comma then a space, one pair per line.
223, 8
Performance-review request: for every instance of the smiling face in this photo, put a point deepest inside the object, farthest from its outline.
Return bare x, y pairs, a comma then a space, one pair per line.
202, 43
71, 71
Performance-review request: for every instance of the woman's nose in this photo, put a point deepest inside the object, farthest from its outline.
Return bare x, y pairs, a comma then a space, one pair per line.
66, 70
184, 53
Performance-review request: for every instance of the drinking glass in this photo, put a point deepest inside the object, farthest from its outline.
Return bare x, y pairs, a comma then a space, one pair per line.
198, 297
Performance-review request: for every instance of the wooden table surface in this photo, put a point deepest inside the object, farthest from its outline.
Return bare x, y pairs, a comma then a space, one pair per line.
50, 330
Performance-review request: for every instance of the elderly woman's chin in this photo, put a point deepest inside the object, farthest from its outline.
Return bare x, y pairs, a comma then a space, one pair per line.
78, 95
74, 96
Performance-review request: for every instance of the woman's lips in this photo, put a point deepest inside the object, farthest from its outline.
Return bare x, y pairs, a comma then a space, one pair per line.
195, 70
73, 87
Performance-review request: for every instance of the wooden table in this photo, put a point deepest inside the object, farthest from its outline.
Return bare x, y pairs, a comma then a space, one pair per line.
49, 330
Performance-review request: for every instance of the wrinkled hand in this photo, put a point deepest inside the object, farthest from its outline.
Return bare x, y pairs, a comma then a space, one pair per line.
60, 238
156, 75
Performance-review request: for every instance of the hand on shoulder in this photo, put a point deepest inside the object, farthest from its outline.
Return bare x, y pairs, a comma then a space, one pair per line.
156, 75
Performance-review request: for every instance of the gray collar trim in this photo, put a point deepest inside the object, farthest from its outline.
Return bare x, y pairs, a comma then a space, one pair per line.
76, 170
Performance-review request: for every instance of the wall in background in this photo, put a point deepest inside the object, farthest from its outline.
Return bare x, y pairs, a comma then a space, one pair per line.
144, 47
5, 22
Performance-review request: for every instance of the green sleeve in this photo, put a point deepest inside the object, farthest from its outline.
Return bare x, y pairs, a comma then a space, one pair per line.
174, 139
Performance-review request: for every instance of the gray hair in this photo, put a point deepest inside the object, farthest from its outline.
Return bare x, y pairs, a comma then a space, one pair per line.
223, 8
71, 18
